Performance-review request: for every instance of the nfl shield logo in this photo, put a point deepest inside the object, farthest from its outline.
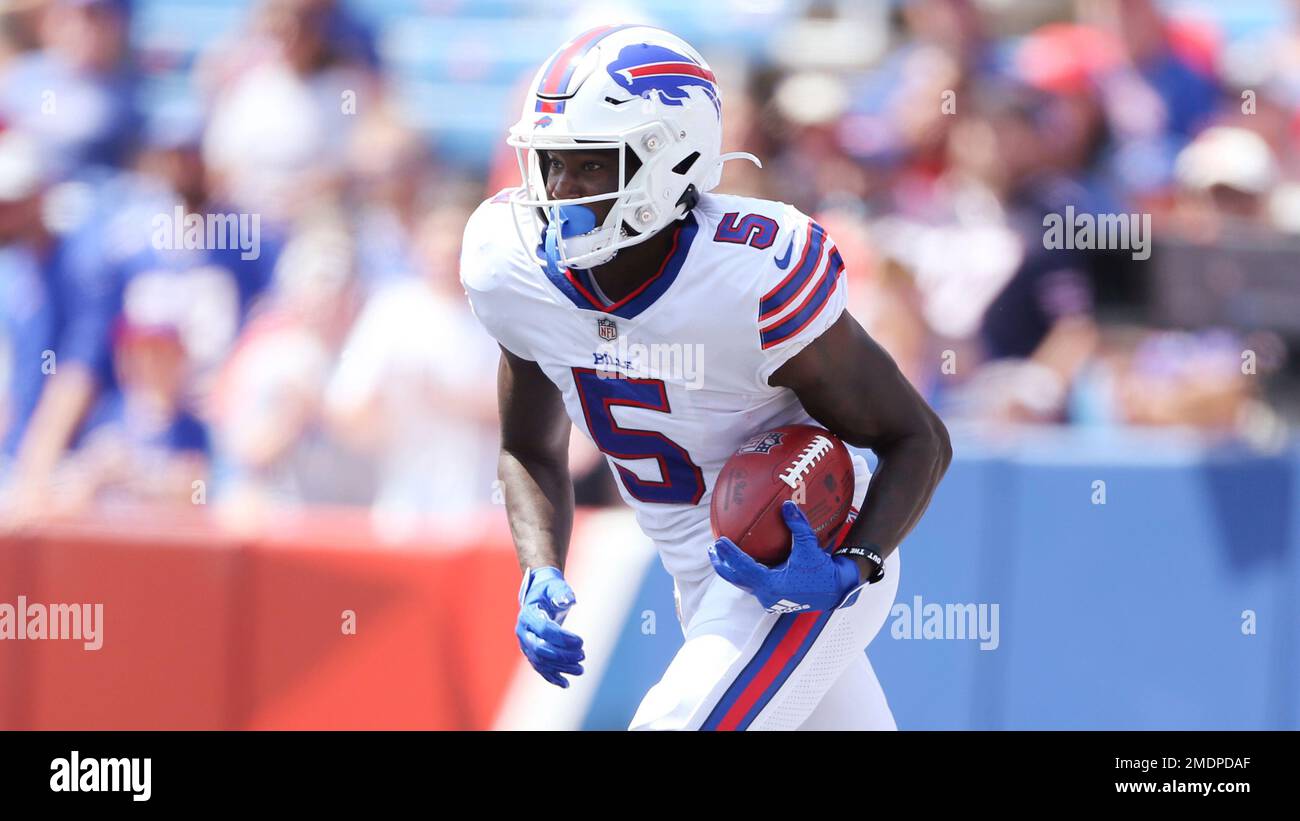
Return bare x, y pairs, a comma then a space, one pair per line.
607, 329
762, 443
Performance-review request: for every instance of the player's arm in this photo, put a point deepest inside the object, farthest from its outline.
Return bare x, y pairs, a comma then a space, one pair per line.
534, 462
534, 472
851, 385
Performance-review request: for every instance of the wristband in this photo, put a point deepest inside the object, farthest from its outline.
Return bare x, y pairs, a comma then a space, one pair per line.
868, 552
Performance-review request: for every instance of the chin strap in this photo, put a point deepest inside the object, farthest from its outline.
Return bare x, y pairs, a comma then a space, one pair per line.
565, 222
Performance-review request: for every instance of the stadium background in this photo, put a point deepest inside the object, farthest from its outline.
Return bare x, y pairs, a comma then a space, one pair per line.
229, 453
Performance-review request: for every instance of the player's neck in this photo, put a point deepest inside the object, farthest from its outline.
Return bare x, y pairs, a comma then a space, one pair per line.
632, 266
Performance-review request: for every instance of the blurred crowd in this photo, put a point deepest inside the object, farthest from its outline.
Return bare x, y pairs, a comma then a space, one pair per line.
249, 301
936, 166
248, 297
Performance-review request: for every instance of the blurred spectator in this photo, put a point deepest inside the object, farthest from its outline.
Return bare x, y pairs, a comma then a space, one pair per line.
1048, 284
1226, 176
1265, 66
1161, 91
812, 166
19, 22
901, 110
1064, 62
1040, 325
416, 388
273, 446
1175, 378
206, 291
393, 186
285, 98
1028, 307
57, 304
76, 94
141, 444
1185, 379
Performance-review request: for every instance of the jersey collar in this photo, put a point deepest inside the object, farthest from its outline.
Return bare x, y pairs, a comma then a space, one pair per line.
576, 284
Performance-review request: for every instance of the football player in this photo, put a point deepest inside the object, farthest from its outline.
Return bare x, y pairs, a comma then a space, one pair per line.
614, 250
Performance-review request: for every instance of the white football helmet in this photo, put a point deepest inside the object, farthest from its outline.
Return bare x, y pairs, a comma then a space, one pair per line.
615, 87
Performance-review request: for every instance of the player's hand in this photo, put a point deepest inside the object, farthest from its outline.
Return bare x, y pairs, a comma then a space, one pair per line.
544, 600
811, 579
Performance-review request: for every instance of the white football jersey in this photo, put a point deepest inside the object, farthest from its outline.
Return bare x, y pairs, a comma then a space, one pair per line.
669, 381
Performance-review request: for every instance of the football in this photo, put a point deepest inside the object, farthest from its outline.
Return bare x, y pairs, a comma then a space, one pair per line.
801, 462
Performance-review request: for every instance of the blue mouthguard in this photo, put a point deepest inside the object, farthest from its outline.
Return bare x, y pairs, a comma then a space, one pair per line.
566, 222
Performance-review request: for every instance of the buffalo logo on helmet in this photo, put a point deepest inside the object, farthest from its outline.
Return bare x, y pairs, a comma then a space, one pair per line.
643, 68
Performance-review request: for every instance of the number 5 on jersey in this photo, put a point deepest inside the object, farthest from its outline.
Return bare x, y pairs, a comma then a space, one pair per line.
682, 481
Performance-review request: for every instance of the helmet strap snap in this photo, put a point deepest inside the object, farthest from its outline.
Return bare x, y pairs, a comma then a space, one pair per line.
689, 198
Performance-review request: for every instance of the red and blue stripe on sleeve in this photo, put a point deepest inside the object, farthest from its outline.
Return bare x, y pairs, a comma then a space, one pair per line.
800, 298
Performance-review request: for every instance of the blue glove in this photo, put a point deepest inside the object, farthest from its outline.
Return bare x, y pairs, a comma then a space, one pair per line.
811, 579
545, 598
